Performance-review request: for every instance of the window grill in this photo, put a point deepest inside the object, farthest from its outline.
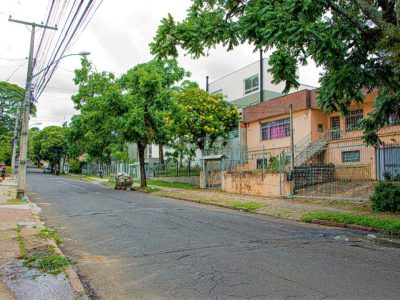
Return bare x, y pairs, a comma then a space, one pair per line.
275, 129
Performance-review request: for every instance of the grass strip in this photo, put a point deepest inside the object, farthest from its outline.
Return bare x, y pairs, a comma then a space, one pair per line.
246, 206
177, 185
46, 261
46, 233
389, 225
21, 243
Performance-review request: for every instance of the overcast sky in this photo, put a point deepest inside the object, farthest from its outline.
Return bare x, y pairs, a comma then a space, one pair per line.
118, 37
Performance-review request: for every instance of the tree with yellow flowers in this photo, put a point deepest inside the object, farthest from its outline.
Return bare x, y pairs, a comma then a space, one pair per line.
203, 117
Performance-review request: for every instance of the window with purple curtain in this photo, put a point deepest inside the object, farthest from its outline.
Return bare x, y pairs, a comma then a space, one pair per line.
275, 129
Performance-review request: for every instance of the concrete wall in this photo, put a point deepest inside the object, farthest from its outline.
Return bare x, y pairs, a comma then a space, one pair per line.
267, 184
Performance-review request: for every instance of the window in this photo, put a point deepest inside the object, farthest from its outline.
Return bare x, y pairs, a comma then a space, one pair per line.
150, 154
335, 128
394, 119
251, 84
353, 119
351, 156
275, 129
320, 127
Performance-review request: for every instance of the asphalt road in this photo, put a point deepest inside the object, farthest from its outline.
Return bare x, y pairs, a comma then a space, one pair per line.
130, 245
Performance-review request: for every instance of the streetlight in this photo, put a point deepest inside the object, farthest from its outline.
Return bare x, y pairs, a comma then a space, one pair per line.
23, 155
56, 61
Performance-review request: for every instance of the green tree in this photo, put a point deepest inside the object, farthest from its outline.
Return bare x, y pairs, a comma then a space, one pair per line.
147, 97
95, 130
203, 117
356, 42
11, 99
50, 144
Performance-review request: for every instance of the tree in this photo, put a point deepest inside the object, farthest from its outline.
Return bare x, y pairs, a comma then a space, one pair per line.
11, 99
94, 130
356, 42
147, 97
203, 117
50, 144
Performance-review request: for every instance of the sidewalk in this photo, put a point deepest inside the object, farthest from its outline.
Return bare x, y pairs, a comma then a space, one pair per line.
286, 208
19, 242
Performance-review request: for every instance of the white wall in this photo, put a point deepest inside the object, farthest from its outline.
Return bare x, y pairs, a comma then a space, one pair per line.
232, 84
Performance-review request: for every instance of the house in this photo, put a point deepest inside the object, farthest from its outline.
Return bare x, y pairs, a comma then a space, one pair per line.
320, 138
248, 86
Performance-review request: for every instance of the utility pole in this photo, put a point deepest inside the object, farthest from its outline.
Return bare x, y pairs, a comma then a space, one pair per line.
23, 151
15, 138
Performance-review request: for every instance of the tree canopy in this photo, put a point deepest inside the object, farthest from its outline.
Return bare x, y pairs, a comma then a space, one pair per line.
202, 117
94, 131
49, 144
147, 97
11, 99
356, 42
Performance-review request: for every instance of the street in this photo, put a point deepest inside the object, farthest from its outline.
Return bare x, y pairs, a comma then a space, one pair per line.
130, 245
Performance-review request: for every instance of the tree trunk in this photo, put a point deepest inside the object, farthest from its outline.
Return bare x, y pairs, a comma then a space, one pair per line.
161, 154
141, 149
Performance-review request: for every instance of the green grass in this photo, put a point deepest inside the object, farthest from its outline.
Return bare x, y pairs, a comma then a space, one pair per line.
21, 243
177, 185
389, 225
47, 261
50, 234
246, 206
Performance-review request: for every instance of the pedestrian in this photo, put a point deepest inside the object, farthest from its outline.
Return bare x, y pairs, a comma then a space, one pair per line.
3, 172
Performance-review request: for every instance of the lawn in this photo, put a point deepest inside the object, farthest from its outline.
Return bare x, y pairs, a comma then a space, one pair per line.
177, 185
391, 226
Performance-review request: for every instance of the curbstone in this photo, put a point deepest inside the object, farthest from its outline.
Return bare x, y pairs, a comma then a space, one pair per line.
73, 277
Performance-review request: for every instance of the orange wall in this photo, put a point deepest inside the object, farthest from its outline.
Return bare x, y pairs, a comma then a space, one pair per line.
301, 126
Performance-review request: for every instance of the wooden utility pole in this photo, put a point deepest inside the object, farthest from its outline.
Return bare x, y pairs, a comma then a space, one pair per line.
23, 150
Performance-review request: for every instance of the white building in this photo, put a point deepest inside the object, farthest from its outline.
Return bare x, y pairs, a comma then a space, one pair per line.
242, 87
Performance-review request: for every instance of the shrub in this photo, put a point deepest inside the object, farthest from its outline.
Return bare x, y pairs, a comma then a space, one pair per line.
386, 197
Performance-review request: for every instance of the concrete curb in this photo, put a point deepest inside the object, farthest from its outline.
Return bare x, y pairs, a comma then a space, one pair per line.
343, 225
73, 277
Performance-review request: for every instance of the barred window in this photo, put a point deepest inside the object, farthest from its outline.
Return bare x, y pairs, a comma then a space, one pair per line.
351, 156
275, 129
353, 119
251, 84
394, 119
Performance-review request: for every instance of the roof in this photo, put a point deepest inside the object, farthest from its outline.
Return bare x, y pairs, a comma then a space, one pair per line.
300, 100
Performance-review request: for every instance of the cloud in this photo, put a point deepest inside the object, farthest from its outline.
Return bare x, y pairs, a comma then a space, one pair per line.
118, 37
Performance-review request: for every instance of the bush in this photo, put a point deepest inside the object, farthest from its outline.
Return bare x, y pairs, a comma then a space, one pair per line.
386, 197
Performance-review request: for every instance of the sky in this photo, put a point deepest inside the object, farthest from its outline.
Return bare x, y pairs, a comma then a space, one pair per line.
117, 37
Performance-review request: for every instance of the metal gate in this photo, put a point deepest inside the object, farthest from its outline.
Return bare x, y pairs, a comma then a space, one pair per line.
339, 166
389, 162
